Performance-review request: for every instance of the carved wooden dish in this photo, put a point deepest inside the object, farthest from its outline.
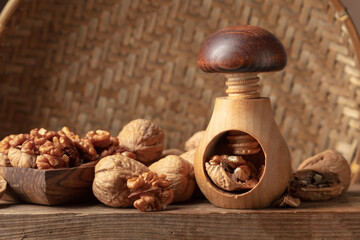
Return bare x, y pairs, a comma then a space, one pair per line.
49, 187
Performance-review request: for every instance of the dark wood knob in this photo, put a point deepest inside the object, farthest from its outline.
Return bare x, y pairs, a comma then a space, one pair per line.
242, 48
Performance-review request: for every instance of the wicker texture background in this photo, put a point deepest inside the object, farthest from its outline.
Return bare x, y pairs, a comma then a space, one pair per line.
99, 64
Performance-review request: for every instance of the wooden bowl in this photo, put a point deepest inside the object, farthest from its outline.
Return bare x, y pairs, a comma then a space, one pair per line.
49, 187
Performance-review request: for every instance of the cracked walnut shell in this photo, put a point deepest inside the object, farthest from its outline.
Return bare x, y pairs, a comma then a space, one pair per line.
143, 138
330, 161
111, 176
180, 173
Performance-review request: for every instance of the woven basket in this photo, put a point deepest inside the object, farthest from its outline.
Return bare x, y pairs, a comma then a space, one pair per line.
99, 64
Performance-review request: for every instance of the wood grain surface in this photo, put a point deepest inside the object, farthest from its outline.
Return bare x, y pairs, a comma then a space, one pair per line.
336, 219
49, 187
242, 48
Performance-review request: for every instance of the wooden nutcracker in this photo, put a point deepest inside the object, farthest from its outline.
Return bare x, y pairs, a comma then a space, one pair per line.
242, 123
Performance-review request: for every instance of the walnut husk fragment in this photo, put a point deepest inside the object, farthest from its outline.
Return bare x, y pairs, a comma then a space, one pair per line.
143, 138
111, 176
180, 173
194, 141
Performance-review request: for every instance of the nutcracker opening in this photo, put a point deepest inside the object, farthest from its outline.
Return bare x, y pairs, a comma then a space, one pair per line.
234, 161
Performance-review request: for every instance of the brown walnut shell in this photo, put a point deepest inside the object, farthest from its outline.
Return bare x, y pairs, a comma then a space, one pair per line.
189, 156
224, 180
143, 138
303, 186
330, 161
111, 175
180, 173
194, 140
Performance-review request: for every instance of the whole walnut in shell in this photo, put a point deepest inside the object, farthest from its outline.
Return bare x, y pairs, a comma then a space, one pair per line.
180, 173
110, 182
194, 141
143, 138
189, 156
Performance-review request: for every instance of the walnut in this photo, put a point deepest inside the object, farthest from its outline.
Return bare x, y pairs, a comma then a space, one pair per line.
152, 192
65, 131
12, 141
194, 141
310, 185
330, 161
20, 159
180, 173
51, 148
86, 149
4, 160
30, 147
143, 138
68, 147
189, 156
129, 154
232, 172
99, 138
171, 151
2, 186
5, 145
110, 182
46, 161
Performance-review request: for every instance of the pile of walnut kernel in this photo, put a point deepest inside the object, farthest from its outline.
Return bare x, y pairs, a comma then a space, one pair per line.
45, 149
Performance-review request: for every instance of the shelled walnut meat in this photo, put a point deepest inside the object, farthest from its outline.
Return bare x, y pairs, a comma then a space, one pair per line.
143, 138
45, 149
324, 176
179, 173
233, 172
152, 192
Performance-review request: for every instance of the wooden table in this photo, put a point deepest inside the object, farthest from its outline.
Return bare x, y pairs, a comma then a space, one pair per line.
336, 219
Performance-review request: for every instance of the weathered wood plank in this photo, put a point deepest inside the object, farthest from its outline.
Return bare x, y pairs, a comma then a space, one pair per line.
336, 219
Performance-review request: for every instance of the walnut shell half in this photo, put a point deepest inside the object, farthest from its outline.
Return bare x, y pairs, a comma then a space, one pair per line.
330, 161
111, 175
143, 138
180, 173
224, 179
310, 185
